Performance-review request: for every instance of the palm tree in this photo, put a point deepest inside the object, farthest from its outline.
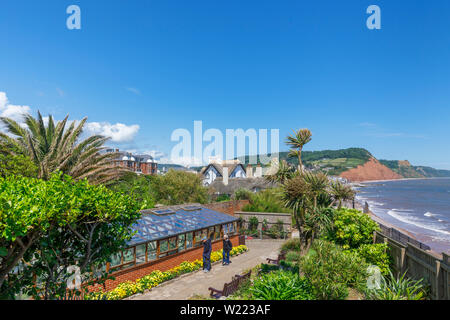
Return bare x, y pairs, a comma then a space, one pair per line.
296, 142
318, 184
53, 147
341, 192
296, 194
283, 173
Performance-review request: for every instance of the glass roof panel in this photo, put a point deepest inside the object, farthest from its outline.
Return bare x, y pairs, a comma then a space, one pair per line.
170, 221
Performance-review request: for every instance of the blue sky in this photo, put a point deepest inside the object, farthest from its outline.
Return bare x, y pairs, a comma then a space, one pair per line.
141, 69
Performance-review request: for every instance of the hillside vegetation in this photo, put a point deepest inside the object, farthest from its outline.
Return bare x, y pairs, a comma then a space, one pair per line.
336, 162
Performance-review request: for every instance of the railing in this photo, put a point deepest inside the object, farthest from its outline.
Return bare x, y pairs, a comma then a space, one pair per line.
401, 237
419, 264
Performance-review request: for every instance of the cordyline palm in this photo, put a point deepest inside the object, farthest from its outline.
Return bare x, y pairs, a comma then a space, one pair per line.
57, 148
318, 184
296, 194
341, 192
283, 173
296, 142
300, 193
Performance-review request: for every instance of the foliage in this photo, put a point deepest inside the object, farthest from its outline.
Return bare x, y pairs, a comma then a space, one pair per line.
281, 285
253, 223
242, 194
398, 288
376, 254
267, 200
352, 228
283, 173
297, 142
136, 186
331, 271
290, 245
341, 192
293, 256
53, 148
56, 223
276, 231
17, 165
157, 277
223, 197
178, 187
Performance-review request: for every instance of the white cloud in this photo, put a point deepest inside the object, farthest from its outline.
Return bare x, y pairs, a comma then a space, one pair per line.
133, 90
118, 132
14, 112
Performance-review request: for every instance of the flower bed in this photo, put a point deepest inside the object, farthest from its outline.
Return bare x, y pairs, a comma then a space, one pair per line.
128, 288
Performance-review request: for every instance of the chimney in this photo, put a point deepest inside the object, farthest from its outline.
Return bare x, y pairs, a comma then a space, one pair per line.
249, 171
225, 176
258, 171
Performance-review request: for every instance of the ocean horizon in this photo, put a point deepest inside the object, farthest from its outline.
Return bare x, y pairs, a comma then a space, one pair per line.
419, 206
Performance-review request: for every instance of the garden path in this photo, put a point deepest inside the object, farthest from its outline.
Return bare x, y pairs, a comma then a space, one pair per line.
197, 283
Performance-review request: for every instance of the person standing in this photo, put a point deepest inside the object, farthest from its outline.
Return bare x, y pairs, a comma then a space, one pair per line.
207, 248
227, 246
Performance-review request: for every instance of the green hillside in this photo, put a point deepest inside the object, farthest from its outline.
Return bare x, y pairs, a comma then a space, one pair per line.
334, 162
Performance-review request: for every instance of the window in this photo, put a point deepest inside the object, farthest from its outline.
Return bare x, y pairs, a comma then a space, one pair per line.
172, 243
128, 255
211, 232
140, 253
204, 234
181, 241
116, 259
151, 250
189, 240
216, 232
198, 238
163, 248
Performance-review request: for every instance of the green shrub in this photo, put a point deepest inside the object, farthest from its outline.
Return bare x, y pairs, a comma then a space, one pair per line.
376, 254
331, 270
281, 285
223, 197
351, 229
268, 200
253, 223
293, 256
290, 245
399, 288
242, 194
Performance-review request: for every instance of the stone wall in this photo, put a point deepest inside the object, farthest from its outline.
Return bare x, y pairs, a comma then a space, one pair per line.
271, 218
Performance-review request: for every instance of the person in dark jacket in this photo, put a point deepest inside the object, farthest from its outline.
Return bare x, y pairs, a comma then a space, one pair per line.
207, 248
227, 246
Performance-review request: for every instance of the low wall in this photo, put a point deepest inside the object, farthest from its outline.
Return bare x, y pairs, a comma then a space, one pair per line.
420, 264
271, 218
228, 207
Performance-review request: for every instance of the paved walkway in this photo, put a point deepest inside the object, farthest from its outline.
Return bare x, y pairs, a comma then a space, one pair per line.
199, 282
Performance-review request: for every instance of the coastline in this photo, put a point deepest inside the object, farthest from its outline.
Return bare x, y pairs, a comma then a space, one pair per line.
436, 246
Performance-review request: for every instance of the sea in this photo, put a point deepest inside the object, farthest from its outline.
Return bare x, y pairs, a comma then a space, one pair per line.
419, 206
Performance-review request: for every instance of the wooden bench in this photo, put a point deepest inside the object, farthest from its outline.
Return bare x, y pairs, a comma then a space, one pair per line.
230, 287
276, 261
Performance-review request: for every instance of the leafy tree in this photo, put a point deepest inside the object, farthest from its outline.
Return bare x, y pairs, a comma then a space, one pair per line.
139, 187
16, 165
352, 228
296, 142
46, 226
178, 187
53, 147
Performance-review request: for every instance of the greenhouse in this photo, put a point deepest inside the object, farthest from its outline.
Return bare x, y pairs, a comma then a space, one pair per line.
162, 232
